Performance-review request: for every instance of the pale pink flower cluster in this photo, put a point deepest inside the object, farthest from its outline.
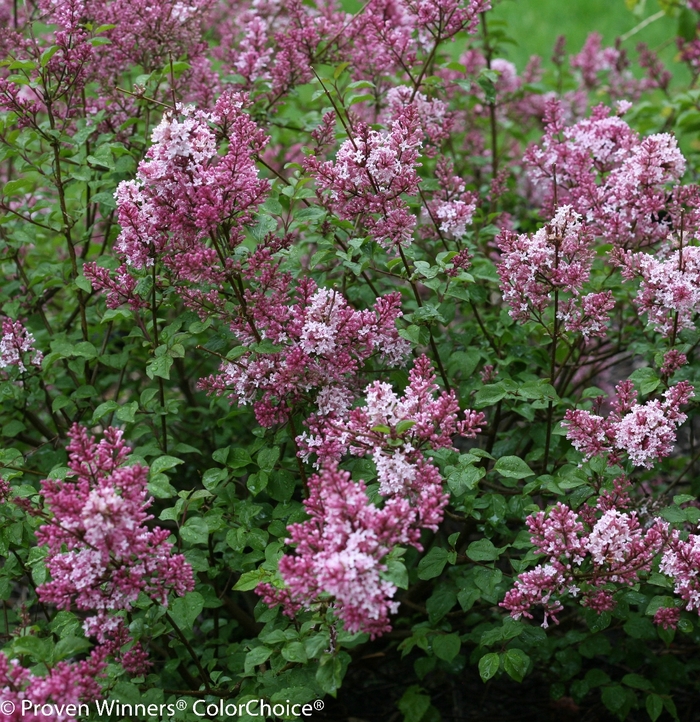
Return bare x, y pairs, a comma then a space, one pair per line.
66, 683
586, 560
144, 34
436, 122
616, 180
371, 171
321, 345
453, 207
189, 203
445, 18
17, 346
669, 289
645, 432
681, 561
102, 554
558, 257
275, 42
390, 35
608, 69
395, 432
340, 553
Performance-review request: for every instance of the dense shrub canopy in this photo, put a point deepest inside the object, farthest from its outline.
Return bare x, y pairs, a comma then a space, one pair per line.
330, 336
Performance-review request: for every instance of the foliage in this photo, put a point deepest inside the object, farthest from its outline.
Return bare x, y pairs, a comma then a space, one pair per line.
329, 334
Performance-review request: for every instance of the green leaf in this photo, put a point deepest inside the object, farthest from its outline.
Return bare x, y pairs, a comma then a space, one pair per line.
487, 85
446, 646
655, 706
432, 564
329, 675
462, 480
16, 187
212, 477
12, 428
255, 657
195, 531
403, 426
250, 580
489, 395
103, 409
513, 467
159, 366
69, 647
637, 681
294, 652
488, 665
614, 697
645, 379
83, 284
267, 458
414, 704
159, 485
162, 463
397, 573
483, 550
127, 412
687, 24
516, 663
185, 610
39, 649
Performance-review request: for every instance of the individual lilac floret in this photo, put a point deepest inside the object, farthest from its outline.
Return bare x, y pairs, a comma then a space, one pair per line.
340, 553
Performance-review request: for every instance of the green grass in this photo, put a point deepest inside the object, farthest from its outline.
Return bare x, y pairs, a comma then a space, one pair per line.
535, 25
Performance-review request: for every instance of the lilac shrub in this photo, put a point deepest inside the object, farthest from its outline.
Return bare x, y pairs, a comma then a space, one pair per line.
333, 336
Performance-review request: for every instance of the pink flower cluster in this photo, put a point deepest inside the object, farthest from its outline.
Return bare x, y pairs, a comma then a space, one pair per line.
17, 346
669, 289
371, 171
681, 561
436, 122
617, 181
558, 257
394, 431
453, 208
340, 553
321, 345
645, 432
583, 559
397, 433
189, 204
101, 553
67, 683
608, 69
